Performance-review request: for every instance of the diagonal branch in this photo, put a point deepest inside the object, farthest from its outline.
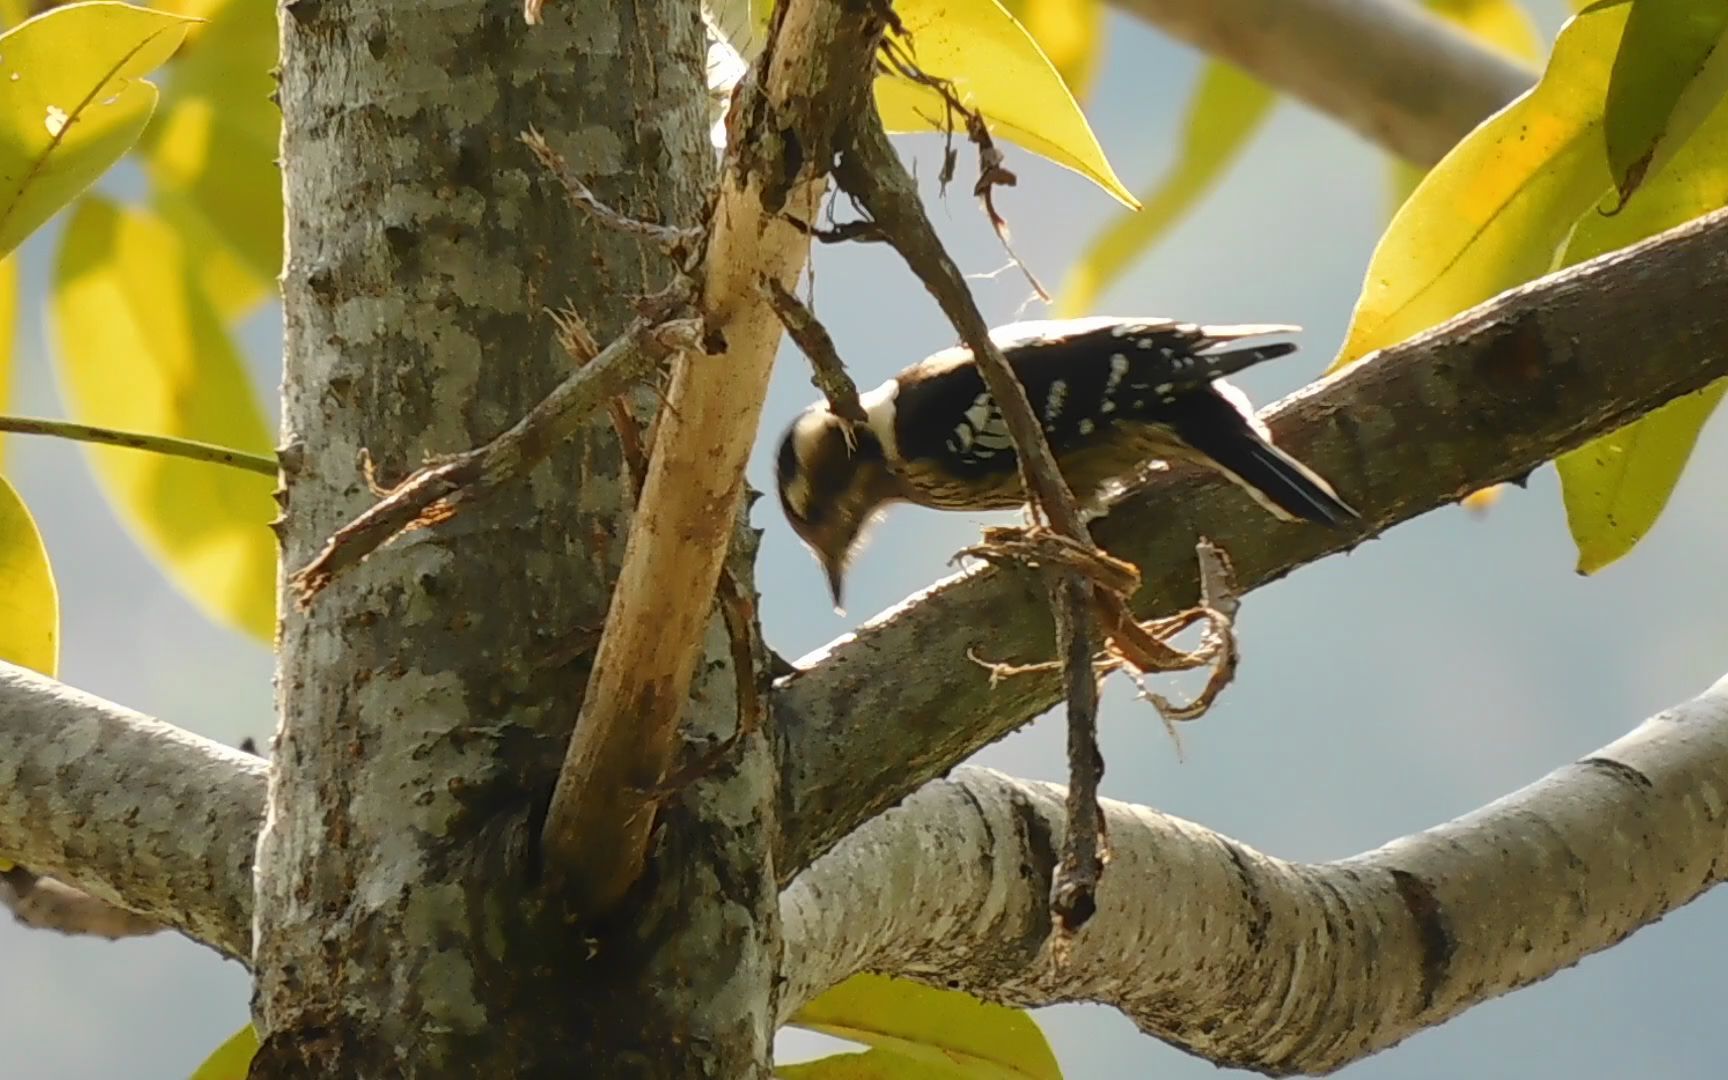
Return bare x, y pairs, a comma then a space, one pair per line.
1483, 399
816, 76
432, 492
1258, 963
1401, 77
130, 810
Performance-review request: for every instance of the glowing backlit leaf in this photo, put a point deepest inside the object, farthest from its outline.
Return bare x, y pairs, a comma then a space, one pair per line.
141, 348
999, 70
934, 1028
1495, 211
1616, 487
232, 1060
1227, 109
211, 153
1071, 34
73, 100
1498, 24
1670, 72
29, 605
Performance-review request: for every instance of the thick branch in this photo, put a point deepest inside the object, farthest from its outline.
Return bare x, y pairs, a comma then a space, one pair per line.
817, 75
1255, 962
133, 811
1484, 399
1396, 74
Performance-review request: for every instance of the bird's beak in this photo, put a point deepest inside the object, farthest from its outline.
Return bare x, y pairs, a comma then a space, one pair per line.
836, 580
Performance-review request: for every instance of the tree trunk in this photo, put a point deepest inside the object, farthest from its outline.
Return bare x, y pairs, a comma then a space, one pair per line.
426, 697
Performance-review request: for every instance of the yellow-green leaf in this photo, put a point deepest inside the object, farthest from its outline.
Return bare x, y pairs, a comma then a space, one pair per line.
211, 153
72, 101
999, 70
232, 1060
1498, 24
1494, 212
876, 1065
8, 335
1616, 487
1228, 107
1670, 72
141, 348
1071, 34
933, 1027
29, 605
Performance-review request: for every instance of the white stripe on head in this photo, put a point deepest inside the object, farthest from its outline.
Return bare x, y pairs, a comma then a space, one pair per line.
879, 412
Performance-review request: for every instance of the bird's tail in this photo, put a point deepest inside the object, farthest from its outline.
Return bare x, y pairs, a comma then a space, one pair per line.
1222, 363
1289, 489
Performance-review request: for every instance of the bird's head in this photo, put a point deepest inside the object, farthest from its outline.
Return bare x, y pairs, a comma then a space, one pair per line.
832, 477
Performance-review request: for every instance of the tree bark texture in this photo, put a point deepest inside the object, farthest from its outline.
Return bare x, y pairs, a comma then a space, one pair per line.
1260, 963
425, 699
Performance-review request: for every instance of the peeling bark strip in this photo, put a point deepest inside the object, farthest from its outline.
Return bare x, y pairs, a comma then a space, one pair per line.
1487, 397
1248, 960
817, 74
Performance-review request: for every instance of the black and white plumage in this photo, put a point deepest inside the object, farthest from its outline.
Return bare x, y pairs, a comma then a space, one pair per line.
1112, 395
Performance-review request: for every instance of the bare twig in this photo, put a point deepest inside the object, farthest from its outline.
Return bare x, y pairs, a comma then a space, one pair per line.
1074, 885
263, 464
828, 371
431, 493
674, 241
993, 171
872, 173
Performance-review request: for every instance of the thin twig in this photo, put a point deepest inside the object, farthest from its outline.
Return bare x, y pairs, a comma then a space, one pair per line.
1074, 886
872, 174
191, 449
828, 371
993, 171
669, 238
432, 492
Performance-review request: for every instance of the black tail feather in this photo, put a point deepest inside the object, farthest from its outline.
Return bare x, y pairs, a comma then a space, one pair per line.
1277, 481
1223, 364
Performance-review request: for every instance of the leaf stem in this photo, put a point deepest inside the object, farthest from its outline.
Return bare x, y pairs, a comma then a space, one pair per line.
264, 464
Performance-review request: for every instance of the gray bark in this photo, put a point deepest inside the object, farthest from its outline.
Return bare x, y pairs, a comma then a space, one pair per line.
135, 812
1260, 963
426, 697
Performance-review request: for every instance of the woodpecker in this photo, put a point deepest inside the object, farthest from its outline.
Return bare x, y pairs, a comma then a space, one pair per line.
1112, 394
